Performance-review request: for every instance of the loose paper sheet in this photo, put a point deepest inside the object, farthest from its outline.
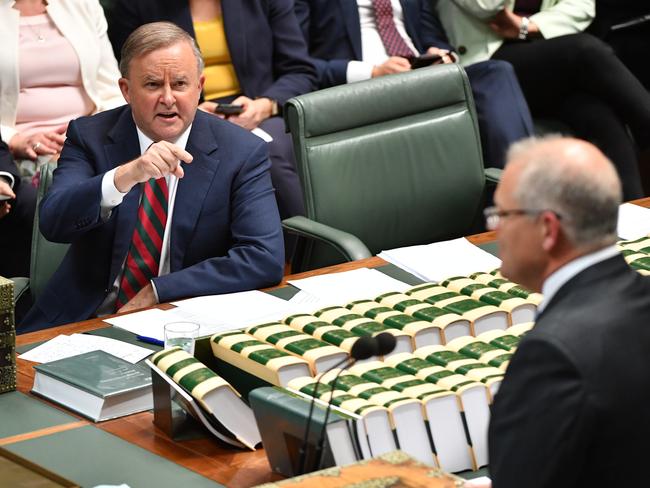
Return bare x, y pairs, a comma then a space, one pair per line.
347, 286
633, 221
441, 260
63, 346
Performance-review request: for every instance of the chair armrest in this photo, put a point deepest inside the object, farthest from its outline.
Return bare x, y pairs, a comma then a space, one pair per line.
21, 285
493, 175
350, 246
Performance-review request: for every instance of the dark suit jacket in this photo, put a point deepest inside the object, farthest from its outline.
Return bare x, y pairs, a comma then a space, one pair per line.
267, 50
225, 233
7, 164
333, 31
574, 407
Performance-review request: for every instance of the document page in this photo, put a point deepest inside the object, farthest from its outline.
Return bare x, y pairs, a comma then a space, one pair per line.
441, 260
64, 346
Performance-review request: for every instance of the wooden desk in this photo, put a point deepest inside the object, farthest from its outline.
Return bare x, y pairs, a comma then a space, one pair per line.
204, 456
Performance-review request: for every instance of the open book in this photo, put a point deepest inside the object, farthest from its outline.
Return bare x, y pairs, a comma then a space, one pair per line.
207, 397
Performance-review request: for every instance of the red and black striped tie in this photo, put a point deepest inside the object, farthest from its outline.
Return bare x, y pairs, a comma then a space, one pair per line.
143, 260
393, 42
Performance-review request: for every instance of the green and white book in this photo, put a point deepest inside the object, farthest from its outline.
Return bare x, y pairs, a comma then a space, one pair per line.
320, 355
462, 364
500, 283
377, 435
449, 324
481, 350
406, 413
482, 316
519, 309
258, 358
363, 326
422, 333
212, 400
442, 409
333, 334
95, 384
282, 414
521, 329
503, 339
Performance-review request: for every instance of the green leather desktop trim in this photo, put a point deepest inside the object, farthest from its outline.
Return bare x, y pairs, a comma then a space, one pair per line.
22, 413
89, 456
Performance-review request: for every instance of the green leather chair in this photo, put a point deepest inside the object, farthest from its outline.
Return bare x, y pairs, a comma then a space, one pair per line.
46, 256
389, 162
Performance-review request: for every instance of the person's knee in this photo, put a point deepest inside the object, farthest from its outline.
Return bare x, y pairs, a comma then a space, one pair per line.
589, 49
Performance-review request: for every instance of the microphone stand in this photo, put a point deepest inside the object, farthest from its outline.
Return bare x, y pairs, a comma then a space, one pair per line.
305, 442
321, 437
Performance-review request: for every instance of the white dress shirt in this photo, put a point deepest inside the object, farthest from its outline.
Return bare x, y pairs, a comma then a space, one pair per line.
373, 51
554, 282
112, 197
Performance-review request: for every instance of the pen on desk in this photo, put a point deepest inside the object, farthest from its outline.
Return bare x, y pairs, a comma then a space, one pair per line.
150, 340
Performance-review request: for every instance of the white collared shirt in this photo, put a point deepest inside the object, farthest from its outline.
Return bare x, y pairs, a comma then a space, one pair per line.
373, 51
112, 197
554, 282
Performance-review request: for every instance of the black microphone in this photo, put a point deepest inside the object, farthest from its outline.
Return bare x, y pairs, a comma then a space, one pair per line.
386, 342
363, 348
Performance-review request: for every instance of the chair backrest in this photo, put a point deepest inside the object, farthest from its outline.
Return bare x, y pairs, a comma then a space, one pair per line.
46, 255
394, 160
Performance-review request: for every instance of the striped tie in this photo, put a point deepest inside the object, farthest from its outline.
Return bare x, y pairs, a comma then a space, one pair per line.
393, 42
143, 260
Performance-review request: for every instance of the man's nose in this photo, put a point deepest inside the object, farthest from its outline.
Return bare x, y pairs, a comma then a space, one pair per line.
167, 96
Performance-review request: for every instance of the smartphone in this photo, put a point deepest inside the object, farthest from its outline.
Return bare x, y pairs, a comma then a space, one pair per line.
425, 60
229, 109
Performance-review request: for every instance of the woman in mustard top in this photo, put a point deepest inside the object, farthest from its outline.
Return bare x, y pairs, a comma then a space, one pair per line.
255, 56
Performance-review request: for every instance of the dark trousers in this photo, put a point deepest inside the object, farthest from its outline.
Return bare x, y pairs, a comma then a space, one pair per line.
503, 115
579, 80
16, 233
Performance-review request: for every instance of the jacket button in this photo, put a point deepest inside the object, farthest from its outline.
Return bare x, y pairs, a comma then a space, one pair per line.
462, 49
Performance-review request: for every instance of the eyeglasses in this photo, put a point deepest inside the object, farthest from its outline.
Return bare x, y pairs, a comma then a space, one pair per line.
493, 215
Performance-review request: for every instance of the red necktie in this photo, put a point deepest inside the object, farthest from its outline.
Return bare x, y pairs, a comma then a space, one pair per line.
393, 41
143, 260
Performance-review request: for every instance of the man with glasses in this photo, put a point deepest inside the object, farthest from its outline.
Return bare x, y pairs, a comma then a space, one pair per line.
573, 409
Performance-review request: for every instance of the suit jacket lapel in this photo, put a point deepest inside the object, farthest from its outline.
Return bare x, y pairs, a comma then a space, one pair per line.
193, 187
350, 13
124, 147
592, 276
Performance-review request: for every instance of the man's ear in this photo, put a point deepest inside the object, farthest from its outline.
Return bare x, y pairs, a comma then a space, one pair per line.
124, 88
551, 229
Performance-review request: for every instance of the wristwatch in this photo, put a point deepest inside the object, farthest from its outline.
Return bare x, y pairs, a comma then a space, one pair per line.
523, 29
275, 109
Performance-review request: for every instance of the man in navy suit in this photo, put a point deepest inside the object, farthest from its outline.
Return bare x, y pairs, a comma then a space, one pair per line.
344, 41
220, 231
17, 205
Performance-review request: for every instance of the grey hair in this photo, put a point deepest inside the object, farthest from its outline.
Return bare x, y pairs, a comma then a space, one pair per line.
152, 36
586, 201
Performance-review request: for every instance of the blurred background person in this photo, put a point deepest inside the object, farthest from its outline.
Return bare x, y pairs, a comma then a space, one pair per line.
254, 56
565, 74
354, 40
56, 64
625, 25
17, 205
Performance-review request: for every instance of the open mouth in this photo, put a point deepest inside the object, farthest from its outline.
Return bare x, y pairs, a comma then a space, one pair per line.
168, 115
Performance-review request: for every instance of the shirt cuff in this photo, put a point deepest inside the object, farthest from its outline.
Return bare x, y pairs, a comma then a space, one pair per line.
155, 292
111, 196
358, 71
9, 176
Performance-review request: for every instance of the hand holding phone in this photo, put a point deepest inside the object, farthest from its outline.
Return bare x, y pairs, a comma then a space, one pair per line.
425, 60
228, 109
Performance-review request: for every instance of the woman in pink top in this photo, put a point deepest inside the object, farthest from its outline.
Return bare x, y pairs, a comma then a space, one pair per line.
56, 64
